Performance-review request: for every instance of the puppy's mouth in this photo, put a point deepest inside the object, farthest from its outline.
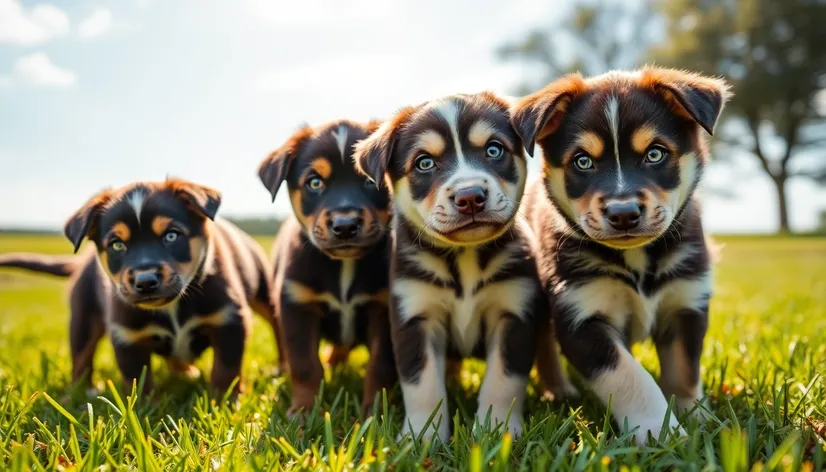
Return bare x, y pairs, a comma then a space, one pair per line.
159, 299
641, 236
349, 248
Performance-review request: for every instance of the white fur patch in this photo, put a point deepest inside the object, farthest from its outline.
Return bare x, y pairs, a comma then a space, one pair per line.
449, 110
612, 114
136, 200
341, 139
634, 395
348, 312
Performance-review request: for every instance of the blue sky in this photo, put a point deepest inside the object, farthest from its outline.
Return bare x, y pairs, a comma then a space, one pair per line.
98, 93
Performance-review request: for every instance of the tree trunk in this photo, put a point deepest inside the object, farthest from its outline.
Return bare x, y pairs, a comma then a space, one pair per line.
782, 204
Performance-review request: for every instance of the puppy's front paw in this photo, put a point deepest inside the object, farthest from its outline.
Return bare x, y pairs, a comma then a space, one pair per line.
416, 423
653, 426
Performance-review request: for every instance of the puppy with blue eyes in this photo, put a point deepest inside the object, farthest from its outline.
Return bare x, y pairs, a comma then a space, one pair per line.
464, 282
623, 254
163, 278
332, 258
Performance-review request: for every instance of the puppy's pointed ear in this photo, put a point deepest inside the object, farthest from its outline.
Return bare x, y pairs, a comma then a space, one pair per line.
274, 168
372, 155
204, 200
695, 97
84, 222
539, 114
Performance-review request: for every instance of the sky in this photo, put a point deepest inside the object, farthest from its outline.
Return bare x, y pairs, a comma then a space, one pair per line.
99, 93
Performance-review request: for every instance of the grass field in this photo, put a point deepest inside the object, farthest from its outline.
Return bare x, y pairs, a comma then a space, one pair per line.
763, 367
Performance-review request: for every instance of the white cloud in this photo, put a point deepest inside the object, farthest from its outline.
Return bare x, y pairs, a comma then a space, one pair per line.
37, 25
319, 12
96, 24
37, 69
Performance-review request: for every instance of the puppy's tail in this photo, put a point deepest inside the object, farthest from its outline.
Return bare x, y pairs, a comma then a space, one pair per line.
61, 266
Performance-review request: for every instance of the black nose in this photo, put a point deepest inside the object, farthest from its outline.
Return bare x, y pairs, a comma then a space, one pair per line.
623, 216
345, 227
147, 281
470, 200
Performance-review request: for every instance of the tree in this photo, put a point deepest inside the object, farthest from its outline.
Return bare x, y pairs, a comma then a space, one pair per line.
773, 52
595, 37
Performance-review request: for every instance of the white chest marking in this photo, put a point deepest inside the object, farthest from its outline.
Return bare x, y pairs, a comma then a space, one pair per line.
616, 301
348, 310
462, 314
181, 334
341, 139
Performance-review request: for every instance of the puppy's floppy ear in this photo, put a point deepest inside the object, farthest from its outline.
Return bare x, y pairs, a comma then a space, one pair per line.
695, 97
372, 154
204, 200
85, 221
539, 114
274, 168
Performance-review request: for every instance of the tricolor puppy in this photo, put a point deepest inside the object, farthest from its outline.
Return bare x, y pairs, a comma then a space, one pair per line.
623, 252
332, 258
464, 281
164, 278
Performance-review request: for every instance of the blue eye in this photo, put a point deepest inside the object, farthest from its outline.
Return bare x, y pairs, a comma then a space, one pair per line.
170, 236
117, 245
495, 150
425, 163
315, 184
583, 162
655, 154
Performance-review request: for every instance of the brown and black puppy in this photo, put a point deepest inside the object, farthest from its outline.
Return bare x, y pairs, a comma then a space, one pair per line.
332, 259
624, 257
464, 280
164, 278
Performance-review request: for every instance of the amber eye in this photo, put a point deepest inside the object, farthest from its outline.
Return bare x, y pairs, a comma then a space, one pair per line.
655, 155
583, 162
425, 163
315, 184
495, 150
117, 245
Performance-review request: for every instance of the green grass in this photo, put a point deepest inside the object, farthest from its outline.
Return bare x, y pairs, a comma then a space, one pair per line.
762, 367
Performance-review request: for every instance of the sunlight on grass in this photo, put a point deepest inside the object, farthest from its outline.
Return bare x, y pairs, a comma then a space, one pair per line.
762, 368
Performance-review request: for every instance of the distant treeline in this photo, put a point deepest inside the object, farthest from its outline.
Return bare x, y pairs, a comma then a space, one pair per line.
253, 226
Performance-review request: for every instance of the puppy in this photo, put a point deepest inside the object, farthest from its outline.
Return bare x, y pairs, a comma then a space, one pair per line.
163, 278
464, 281
331, 258
624, 257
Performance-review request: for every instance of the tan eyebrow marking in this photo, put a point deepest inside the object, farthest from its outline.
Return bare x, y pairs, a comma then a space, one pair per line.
431, 142
591, 143
160, 224
642, 137
121, 231
480, 132
322, 166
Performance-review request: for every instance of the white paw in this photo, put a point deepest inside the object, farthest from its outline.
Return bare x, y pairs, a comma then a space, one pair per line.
416, 423
652, 426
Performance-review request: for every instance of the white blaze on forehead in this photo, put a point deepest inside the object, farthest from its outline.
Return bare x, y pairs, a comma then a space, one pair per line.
612, 114
449, 110
135, 200
341, 139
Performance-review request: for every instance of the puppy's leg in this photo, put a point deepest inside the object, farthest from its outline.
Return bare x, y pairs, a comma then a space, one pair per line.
593, 347
420, 358
381, 369
85, 330
337, 355
679, 347
302, 332
228, 343
266, 308
509, 357
132, 359
549, 365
